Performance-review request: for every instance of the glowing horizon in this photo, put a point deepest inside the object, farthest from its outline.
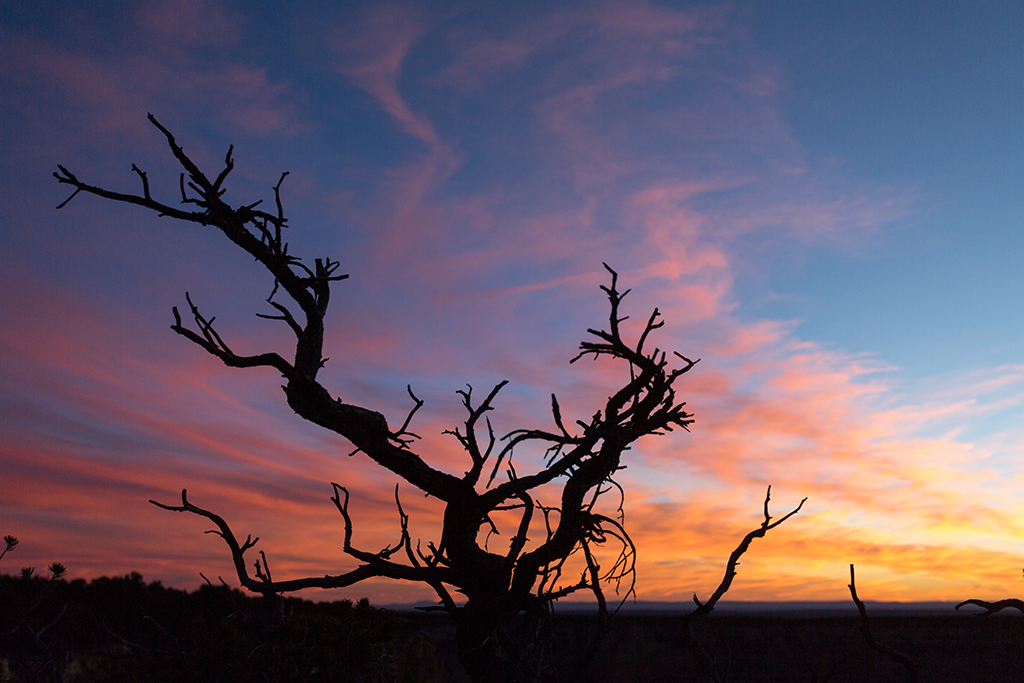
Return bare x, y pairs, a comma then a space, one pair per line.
825, 204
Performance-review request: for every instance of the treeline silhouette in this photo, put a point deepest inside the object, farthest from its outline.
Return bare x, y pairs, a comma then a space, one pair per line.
124, 629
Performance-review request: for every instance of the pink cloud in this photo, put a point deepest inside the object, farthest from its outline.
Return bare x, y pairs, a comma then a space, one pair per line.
92, 86
99, 94
373, 51
180, 24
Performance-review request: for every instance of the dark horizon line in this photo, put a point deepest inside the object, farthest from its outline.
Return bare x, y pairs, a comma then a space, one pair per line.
772, 608
780, 608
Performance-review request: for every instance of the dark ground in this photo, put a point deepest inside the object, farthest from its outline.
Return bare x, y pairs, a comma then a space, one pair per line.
957, 648
649, 649
125, 630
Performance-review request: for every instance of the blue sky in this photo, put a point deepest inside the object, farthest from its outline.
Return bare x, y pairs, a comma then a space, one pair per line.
925, 97
824, 200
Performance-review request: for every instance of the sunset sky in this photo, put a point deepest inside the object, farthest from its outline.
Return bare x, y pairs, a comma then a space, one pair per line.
825, 200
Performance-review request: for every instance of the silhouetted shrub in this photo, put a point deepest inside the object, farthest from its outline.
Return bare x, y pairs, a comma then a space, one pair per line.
123, 629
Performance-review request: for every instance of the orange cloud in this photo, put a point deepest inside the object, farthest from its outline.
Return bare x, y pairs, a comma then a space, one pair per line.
487, 276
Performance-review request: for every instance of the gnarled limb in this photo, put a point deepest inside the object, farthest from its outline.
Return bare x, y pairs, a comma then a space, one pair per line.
259, 234
469, 440
993, 607
375, 564
212, 342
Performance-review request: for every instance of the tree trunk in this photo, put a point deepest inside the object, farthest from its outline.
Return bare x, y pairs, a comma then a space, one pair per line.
495, 646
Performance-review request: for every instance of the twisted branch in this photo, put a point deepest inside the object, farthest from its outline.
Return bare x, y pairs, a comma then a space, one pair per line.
993, 607
375, 564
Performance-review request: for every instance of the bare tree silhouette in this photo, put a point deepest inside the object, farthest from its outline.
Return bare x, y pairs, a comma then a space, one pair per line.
565, 539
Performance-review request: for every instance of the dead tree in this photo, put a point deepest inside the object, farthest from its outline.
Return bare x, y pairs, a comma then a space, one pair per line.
581, 458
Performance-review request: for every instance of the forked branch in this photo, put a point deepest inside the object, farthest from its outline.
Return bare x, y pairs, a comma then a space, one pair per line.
705, 608
375, 564
212, 342
734, 559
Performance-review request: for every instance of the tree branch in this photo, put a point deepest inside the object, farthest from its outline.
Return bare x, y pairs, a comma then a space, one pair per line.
734, 559
374, 565
989, 607
910, 668
993, 607
705, 608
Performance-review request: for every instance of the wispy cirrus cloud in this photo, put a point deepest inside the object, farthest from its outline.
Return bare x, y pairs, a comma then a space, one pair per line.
187, 24
95, 90
373, 51
528, 153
